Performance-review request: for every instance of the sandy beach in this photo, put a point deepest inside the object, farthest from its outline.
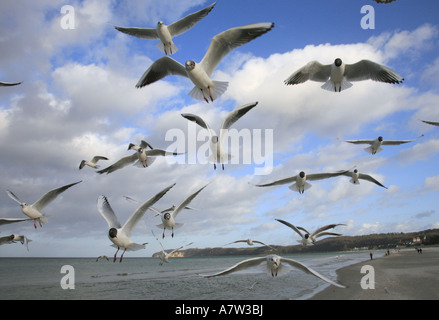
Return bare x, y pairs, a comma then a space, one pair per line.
403, 275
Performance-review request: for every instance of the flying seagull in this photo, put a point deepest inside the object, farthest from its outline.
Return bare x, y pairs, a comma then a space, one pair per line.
166, 32
299, 181
200, 73
308, 237
251, 242
337, 76
164, 256
13, 238
120, 235
33, 211
142, 158
218, 154
356, 176
274, 265
92, 162
375, 145
168, 218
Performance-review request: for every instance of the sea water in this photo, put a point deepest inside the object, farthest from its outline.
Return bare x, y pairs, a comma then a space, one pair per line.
146, 279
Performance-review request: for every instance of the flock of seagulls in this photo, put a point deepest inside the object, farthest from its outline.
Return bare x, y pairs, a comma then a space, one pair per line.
335, 77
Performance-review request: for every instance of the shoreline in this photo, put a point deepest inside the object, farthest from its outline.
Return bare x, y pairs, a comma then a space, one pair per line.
403, 275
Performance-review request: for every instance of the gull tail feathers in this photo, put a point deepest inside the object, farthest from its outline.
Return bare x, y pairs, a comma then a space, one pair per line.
218, 88
168, 50
294, 187
336, 87
372, 151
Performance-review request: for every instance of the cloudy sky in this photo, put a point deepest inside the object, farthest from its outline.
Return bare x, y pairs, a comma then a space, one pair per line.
78, 99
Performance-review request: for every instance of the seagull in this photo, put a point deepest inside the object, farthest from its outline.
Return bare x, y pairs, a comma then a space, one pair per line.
251, 242
164, 256
92, 162
33, 211
337, 76
12, 220
274, 265
311, 238
375, 145
13, 238
120, 235
166, 32
168, 218
142, 158
431, 122
218, 155
299, 181
356, 176
9, 84
200, 73
102, 257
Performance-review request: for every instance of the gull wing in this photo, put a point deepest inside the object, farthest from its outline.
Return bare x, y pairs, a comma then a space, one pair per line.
278, 182
313, 70
107, 212
236, 114
237, 241
371, 179
159, 152
50, 196
327, 234
4, 221
9, 84
239, 266
145, 145
324, 228
142, 33
366, 69
291, 226
13, 197
140, 211
398, 142
230, 39
186, 23
123, 162
198, 120
301, 266
97, 158
260, 242
162, 67
188, 200
434, 123
361, 141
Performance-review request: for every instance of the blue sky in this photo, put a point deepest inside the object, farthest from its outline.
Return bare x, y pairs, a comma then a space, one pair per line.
78, 99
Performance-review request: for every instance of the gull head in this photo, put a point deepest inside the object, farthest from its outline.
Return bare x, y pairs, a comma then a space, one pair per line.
355, 171
306, 236
112, 233
302, 174
380, 139
338, 62
167, 216
190, 65
160, 24
273, 262
214, 139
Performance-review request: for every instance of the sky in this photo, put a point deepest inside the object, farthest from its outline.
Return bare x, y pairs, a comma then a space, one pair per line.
78, 99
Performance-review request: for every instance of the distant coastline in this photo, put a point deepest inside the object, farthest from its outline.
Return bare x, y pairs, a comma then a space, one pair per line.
343, 243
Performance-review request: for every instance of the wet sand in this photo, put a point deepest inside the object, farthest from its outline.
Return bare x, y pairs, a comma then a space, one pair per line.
404, 275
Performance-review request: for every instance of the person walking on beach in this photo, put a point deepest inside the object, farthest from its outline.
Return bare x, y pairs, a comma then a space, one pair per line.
370, 256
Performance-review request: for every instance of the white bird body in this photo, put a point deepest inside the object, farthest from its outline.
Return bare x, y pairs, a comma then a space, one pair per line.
218, 154
200, 73
338, 76
251, 242
120, 235
168, 217
33, 211
356, 176
375, 144
274, 265
166, 33
300, 180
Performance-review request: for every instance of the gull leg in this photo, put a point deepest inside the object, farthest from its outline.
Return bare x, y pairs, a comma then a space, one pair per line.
210, 94
214, 166
122, 255
114, 259
205, 99
173, 232
223, 166
35, 221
